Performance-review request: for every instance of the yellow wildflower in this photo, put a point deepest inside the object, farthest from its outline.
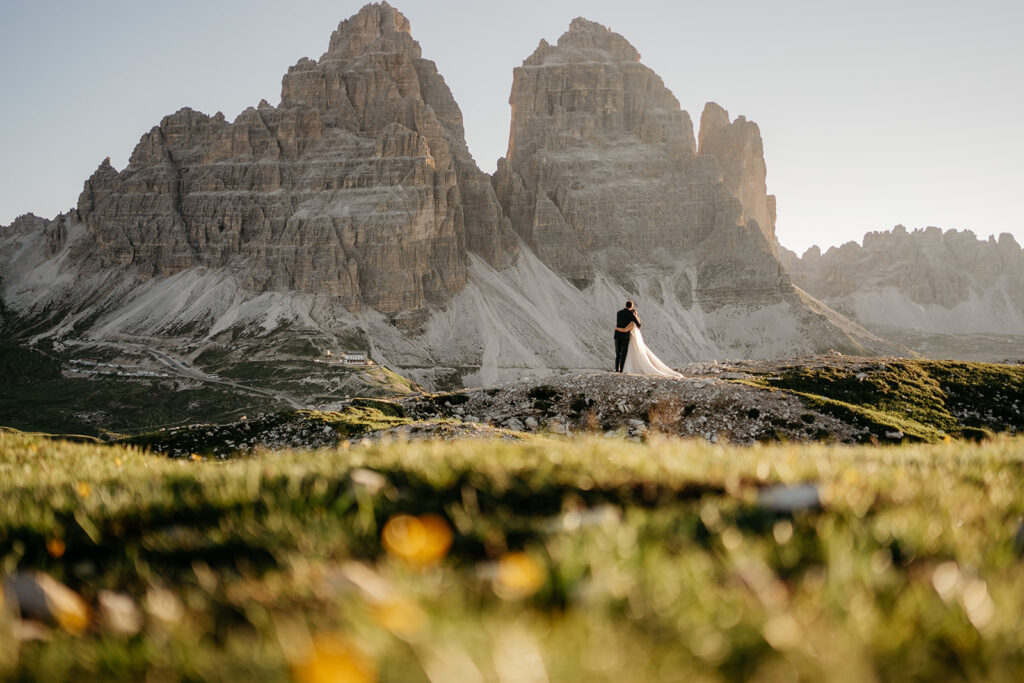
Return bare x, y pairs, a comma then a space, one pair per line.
333, 660
420, 540
519, 576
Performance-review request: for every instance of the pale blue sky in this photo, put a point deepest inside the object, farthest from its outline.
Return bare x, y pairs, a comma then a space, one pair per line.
873, 112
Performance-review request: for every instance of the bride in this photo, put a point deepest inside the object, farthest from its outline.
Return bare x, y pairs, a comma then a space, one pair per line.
641, 360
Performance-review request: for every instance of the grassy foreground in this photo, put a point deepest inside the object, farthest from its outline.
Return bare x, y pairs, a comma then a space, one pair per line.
546, 560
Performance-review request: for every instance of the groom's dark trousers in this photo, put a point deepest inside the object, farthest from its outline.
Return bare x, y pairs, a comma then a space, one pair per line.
621, 349
623, 318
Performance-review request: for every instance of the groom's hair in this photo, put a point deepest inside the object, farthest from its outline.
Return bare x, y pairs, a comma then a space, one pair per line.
629, 304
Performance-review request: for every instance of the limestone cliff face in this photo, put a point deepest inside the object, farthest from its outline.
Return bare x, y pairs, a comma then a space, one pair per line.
740, 152
356, 196
602, 175
359, 185
949, 282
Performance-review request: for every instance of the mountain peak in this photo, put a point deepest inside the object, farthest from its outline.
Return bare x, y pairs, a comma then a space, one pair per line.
584, 33
585, 41
377, 27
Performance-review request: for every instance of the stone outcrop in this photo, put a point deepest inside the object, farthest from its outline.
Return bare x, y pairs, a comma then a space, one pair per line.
949, 282
359, 185
740, 152
602, 174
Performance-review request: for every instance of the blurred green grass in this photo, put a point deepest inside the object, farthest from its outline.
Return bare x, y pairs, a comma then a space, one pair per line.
639, 562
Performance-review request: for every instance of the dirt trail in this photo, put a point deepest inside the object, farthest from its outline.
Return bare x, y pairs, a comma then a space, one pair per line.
184, 368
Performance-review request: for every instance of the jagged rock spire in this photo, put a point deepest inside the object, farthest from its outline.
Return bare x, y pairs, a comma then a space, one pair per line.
739, 150
602, 172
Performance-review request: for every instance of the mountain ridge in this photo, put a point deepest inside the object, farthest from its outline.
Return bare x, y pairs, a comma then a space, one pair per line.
355, 208
929, 279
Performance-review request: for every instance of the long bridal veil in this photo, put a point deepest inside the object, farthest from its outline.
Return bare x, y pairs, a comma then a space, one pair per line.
642, 361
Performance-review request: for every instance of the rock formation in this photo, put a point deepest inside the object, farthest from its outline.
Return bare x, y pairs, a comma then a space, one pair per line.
352, 212
602, 174
359, 185
929, 280
740, 152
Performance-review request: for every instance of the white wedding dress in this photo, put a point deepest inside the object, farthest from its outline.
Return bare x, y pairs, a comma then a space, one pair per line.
641, 360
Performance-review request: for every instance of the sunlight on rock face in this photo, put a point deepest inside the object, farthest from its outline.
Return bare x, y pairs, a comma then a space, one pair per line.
518, 576
332, 659
420, 541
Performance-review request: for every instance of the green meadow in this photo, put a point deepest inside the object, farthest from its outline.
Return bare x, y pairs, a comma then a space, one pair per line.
543, 559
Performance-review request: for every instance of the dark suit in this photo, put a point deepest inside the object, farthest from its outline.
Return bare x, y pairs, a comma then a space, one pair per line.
623, 318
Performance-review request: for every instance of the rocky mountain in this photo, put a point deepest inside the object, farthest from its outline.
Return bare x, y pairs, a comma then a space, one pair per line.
603, 174
353, 214
738, 148
358, 185
924, 281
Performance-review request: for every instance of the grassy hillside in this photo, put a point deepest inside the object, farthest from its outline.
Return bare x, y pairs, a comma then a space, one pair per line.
38, 394
34, 396
591, 560
926, 400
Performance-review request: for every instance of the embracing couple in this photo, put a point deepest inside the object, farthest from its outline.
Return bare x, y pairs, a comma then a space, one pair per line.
631, 353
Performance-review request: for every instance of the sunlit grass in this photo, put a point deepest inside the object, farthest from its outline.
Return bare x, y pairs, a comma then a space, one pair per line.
926, 400
587, 560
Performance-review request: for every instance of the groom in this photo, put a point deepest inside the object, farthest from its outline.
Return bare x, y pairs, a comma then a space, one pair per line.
624, 321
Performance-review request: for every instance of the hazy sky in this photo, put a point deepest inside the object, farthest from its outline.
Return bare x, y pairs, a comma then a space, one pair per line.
873, 113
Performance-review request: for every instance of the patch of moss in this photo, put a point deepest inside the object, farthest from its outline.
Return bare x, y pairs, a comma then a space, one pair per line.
388, 409
926, 400
360, 417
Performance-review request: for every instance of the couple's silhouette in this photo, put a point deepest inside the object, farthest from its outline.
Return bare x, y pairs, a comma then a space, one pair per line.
631, 353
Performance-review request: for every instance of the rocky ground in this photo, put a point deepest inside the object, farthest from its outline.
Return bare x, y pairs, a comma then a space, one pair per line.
708, 403
831, 398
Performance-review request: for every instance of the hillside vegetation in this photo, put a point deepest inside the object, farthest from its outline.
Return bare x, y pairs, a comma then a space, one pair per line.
588, 560
923, 399
101, 392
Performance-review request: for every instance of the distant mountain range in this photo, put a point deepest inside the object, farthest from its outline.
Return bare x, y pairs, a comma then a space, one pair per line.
943, 293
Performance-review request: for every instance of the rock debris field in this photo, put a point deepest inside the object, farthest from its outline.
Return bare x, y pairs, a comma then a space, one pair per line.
714, 402
705, 404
